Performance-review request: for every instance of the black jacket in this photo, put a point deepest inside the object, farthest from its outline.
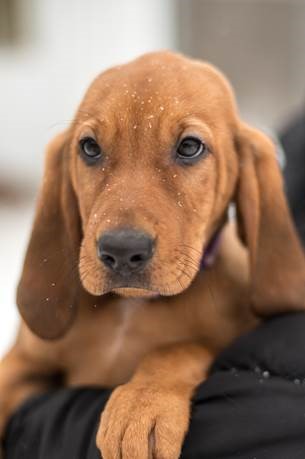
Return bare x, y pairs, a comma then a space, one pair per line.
251, 407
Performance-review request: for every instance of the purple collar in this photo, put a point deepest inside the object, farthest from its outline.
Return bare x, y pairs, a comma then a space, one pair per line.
211, 251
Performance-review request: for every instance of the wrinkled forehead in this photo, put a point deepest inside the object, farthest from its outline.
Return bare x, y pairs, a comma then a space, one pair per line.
159, 86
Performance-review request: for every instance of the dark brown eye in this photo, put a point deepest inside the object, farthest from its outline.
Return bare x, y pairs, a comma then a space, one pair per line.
190, 148
90, 149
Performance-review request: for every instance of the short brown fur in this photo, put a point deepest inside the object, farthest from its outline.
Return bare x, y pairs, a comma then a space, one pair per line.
156, 337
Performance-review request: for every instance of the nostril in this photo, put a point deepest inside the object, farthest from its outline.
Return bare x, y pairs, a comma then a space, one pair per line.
108, 260
137, 258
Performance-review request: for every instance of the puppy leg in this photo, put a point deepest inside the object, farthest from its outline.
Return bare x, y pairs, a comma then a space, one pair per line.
20, 377
149, 416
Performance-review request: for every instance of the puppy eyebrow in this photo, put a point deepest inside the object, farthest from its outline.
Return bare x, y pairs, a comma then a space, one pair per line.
90, 128
197, 128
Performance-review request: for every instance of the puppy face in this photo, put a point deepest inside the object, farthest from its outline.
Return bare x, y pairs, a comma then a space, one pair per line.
153, 168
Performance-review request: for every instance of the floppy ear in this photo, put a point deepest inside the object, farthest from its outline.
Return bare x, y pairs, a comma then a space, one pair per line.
49, 281
277, 261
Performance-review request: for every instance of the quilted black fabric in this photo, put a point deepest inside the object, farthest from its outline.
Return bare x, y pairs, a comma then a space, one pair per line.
251, 407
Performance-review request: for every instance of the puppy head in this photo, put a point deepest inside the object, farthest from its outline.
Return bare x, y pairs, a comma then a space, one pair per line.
137, 187
146, 173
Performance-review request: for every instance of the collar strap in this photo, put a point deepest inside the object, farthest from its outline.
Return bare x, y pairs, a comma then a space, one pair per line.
211, 251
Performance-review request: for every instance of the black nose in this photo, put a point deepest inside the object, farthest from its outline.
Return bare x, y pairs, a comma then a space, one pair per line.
125, 251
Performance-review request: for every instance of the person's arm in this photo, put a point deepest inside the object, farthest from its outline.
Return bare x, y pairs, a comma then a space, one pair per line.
251, 406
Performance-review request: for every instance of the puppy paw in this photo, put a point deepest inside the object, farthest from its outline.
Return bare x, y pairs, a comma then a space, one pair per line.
142, 422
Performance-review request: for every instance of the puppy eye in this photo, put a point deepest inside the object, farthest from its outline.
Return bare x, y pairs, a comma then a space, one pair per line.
191, 148
90, 149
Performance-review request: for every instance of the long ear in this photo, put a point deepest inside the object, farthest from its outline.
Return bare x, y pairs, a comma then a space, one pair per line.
277, 261
47, 289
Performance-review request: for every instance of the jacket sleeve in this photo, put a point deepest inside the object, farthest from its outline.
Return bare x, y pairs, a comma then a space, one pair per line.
251, 406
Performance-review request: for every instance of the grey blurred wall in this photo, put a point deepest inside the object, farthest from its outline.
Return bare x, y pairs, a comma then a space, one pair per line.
259, 44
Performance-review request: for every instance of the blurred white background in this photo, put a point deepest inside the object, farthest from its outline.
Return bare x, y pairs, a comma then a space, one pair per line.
51, 50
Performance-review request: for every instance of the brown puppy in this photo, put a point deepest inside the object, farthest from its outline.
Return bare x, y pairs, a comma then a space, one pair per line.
111, 292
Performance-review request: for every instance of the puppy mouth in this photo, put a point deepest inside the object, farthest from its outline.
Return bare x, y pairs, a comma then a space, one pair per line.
138, 287
141, 285
135, 285
135, 292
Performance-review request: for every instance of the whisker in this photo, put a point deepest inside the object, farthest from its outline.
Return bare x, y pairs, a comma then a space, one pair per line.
190, 262
195, 261
192, 248
190, 274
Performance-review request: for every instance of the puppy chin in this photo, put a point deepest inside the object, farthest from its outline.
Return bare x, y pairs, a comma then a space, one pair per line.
135, 293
